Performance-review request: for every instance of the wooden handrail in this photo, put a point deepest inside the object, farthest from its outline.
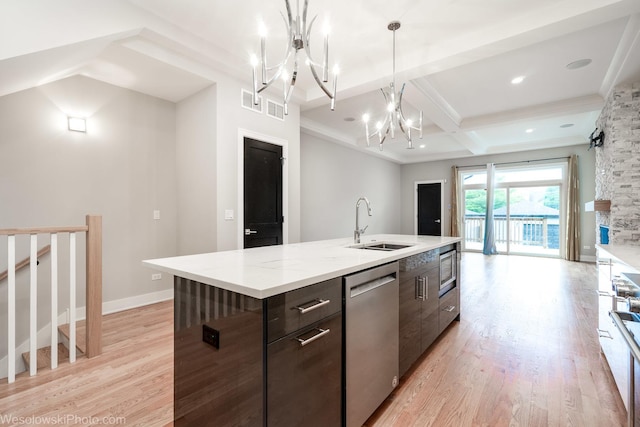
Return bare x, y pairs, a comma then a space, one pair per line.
42, 230
25, 262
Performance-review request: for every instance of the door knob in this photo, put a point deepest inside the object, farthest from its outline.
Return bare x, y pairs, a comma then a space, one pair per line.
437, 220
248, 231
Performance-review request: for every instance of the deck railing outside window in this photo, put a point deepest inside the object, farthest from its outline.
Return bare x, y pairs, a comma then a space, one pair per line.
521, 231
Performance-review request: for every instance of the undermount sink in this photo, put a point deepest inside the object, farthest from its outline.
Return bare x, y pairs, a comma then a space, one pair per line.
382, 246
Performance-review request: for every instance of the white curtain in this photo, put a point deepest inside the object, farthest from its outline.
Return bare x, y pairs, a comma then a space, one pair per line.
489, 234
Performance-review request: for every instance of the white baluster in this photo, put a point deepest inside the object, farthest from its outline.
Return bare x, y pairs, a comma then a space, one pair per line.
72, 297
54, 300
11, 312
33, 307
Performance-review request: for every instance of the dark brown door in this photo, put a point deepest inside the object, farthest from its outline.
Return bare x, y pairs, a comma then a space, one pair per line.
429, 209
262, 194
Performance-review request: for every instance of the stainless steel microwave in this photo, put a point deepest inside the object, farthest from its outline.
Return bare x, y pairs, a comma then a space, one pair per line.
448, 271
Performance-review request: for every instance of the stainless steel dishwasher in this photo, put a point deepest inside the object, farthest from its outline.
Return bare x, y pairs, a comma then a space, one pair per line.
371, 340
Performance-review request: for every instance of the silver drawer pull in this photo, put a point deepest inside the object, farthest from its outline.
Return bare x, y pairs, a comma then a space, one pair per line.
321, 333
320, 303
449, 308
421, 288
604, 334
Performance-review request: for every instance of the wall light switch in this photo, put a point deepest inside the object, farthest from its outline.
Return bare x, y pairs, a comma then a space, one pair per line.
228, 215
156, 214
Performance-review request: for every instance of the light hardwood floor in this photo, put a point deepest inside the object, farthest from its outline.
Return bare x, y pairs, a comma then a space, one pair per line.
130, 383
525, 353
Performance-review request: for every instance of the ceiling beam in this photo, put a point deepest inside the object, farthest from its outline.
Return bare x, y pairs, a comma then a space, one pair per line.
624, 58
568, 106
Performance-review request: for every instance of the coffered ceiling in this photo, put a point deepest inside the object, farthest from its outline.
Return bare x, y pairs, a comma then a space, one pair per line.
457, 58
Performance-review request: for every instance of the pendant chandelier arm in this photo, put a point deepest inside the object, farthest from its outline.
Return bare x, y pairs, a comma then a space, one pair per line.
394, 116
299, 34
282, 65
312, 64
404, 120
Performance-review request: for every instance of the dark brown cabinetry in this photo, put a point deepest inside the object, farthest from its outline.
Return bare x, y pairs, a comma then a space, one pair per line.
218, 353
304, 356
419, 283
429, 300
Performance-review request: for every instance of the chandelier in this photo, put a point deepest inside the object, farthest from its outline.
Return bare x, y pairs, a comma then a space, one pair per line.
394, 116
298, 32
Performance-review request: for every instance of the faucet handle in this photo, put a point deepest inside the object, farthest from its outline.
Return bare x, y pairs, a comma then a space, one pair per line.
362, 231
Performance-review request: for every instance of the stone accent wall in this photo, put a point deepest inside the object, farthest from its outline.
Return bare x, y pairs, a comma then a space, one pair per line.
618, 165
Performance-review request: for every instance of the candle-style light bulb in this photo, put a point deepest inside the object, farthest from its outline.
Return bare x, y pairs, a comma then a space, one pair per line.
325, 54
336, 71
254, 63
262, 30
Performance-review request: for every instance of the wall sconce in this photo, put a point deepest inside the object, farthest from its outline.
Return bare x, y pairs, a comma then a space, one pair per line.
596, 140
77, 124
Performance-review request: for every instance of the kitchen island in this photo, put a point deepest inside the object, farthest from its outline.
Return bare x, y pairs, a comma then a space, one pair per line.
243, 319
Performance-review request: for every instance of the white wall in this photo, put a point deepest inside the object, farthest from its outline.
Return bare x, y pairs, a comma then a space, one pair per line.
233, 119
196, 127
123, 168
333, 177
210, 125
442, 170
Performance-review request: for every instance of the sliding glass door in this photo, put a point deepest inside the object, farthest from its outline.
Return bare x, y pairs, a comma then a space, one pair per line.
527, 210
532, 220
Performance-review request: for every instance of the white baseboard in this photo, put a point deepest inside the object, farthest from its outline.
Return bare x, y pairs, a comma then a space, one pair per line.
123, 304
108, 307
588, 258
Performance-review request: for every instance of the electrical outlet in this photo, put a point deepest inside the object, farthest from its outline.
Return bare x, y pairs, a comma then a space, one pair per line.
156, 276
211, 336
586, 247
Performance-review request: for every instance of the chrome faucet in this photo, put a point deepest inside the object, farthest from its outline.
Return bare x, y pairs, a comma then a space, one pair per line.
357, 232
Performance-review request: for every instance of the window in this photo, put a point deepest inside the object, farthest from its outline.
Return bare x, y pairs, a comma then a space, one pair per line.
528, 208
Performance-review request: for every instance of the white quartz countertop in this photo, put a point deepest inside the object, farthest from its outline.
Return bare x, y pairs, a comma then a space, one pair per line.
625, 254
271, 270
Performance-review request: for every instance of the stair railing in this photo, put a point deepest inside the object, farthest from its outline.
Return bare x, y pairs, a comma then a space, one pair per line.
93, 230
25, 262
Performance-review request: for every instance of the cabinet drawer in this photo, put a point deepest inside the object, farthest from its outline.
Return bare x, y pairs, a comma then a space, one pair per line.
304, 381
294, 310
449, 308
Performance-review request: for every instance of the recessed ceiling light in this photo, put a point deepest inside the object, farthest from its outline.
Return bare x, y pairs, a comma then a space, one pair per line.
566, 125
349, 119
422, 145
578, 64
529, 130
517, 80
